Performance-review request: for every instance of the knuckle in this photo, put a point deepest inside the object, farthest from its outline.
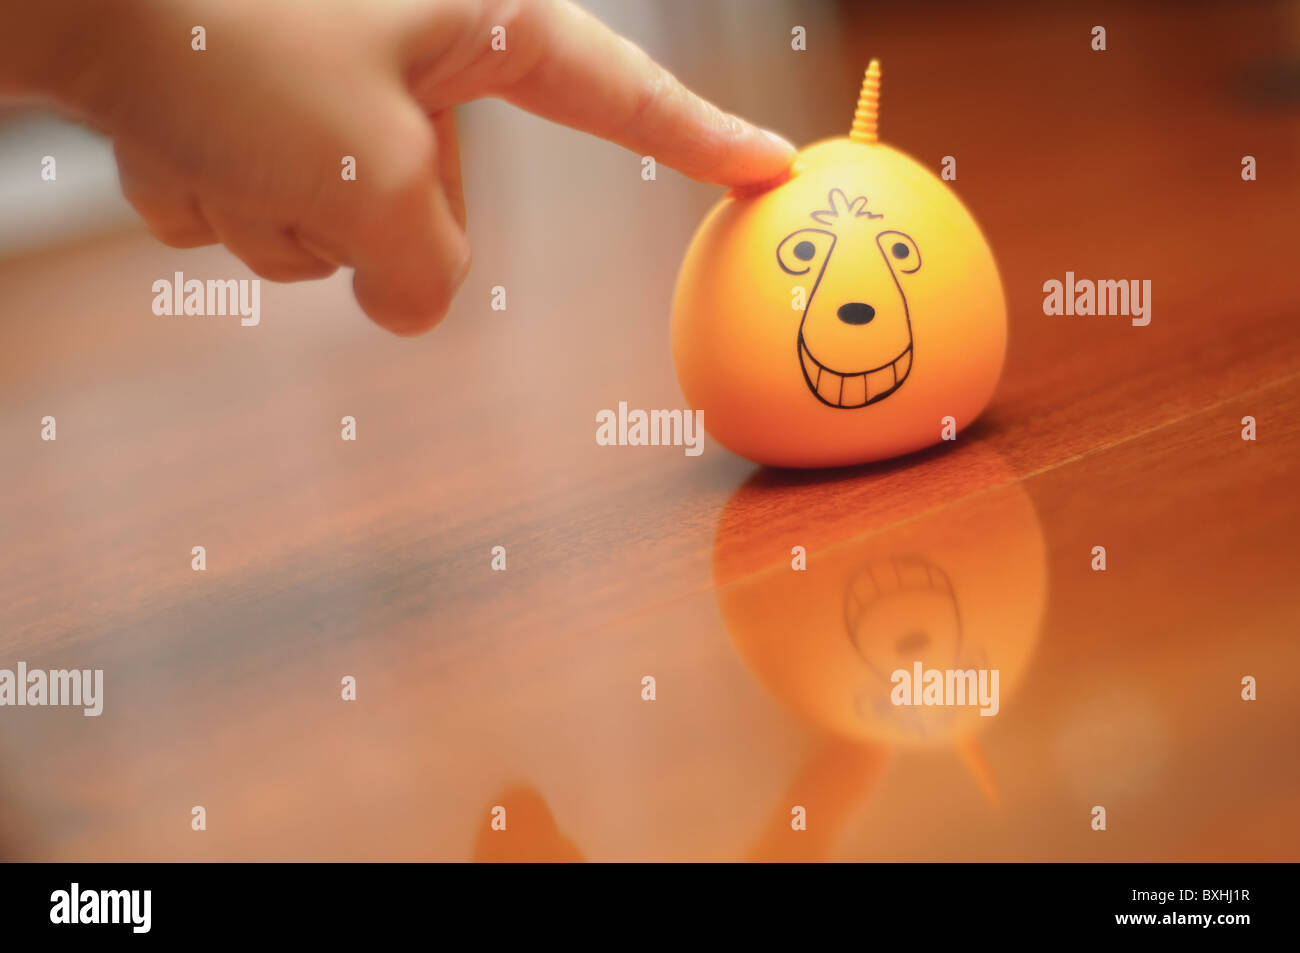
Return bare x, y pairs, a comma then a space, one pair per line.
409, 161
398, 186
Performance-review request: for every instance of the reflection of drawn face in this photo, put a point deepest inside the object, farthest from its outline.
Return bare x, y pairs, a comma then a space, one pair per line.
855, 338
902, 610
959, 587
899, 611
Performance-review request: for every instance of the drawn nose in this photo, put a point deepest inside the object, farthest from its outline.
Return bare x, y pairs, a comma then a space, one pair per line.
855, 312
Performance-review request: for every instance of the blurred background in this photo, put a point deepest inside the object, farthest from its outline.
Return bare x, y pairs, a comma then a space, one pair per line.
523, 688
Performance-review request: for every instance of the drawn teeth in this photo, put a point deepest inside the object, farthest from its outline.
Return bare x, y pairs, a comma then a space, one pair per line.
884, 577
903, 365
880, 382
854, 390
829, 385
809, 365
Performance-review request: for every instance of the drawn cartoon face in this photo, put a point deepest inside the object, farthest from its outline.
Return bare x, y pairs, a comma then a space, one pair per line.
846, 348
855, 337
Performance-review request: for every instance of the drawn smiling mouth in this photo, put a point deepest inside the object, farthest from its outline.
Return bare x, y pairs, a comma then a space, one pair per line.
854, 388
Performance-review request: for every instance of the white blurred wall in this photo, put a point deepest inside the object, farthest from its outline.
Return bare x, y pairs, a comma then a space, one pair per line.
83, 199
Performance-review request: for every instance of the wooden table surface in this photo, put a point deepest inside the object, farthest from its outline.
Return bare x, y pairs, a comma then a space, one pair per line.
522, 688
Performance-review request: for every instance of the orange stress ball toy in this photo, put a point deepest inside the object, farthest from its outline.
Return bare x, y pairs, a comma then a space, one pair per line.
839, 317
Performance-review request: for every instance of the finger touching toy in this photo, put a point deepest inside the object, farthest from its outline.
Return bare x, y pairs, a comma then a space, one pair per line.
840, 316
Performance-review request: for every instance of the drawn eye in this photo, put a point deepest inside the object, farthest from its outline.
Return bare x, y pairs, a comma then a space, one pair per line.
801, 250
900, 251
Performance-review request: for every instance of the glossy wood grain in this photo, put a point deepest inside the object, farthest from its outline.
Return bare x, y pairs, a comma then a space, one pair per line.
523, 688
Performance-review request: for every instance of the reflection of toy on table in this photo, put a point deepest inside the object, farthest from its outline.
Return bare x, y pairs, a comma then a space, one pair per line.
960, 589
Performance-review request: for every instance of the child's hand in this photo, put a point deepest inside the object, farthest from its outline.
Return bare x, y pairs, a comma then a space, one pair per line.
243, 143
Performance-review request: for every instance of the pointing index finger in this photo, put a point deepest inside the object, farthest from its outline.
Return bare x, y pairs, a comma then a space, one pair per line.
567, 66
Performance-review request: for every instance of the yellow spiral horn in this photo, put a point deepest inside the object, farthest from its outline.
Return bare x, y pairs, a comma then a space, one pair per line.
868, 111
